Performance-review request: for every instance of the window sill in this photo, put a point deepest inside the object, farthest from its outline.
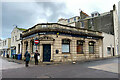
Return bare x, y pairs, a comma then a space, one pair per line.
65, 53
91, 53
80, 53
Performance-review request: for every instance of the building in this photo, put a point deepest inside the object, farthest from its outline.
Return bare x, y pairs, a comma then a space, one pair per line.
108, 45
119, 25
1, 47
71, 21
105, 22
60, 43
6, 46
16, 41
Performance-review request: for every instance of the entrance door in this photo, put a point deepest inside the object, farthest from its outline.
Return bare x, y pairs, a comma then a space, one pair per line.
113, 52
46, 52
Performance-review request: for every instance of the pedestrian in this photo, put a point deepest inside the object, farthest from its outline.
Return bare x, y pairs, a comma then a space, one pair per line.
36, 55
27, 58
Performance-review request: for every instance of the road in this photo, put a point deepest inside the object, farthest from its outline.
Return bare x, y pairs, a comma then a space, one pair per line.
95, 69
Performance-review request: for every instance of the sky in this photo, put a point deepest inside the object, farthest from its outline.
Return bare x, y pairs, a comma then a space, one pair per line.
26, 14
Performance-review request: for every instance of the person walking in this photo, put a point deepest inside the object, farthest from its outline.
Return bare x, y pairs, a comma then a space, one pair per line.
36, 55
27, 58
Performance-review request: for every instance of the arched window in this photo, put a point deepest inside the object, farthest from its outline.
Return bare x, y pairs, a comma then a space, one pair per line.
80, 46
65, 45
91, 47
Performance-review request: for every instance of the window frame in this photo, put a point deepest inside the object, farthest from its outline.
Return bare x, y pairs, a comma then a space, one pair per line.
109, 51
82, 24
80, 44
93, 45
66, 44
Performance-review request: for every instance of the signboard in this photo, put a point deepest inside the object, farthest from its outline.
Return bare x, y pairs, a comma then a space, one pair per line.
36, 41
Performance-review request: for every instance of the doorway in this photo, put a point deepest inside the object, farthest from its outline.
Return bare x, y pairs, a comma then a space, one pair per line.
46, 52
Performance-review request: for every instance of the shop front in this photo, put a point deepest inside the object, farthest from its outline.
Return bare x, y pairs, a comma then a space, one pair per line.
60, 43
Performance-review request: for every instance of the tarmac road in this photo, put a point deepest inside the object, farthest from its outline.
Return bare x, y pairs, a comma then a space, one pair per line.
107, 68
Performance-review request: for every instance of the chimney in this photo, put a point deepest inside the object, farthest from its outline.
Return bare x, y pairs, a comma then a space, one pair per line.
114, 7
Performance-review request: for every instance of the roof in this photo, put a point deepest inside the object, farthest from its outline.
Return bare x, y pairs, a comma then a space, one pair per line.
22, 29
60, 25
70, 31
84, 13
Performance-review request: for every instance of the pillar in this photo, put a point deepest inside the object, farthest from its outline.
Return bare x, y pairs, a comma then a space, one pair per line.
51, 52
29, 46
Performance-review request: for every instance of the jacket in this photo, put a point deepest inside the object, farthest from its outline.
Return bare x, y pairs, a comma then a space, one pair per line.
27, 56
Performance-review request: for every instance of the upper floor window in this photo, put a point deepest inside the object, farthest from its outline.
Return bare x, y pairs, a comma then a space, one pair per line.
65, 46
82, 24
13, 39
5, 42
68, 20
92, 15
91, 47
16, 38
74, 19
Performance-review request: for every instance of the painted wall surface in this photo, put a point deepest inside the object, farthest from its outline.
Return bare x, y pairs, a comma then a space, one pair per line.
119, 26
108, 41
15, 39
115, 20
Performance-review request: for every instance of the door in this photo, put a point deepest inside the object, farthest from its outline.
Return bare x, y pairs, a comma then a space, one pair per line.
113, 52
46, 52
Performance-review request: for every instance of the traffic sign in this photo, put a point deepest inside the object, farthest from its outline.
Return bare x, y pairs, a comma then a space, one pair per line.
36, 41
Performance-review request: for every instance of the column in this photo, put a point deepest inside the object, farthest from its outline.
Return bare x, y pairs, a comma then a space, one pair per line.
23, 49
29, 46
52, 53
86, 49
41, 52
96, 49
73, 49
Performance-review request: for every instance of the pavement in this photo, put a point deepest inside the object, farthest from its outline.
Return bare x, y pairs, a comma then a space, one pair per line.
107, 68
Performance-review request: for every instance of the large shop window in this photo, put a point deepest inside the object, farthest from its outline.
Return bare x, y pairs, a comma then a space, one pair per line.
80, 46
91, 47
65, 46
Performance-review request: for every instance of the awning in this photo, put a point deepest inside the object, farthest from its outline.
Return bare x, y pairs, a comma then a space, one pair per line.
12, 47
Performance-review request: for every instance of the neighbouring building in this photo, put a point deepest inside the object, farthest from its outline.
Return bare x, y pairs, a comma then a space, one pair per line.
1, 47
16, 41
108, 45
105, 22
60, 43
6, 46
71, 21
119, 25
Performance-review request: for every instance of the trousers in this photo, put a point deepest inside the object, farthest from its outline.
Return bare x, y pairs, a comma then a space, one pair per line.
26, 63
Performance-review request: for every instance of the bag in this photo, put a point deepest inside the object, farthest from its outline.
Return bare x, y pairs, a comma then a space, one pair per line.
38, 57
25, 59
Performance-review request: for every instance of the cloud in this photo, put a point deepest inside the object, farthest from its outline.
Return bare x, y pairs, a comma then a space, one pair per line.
27, 14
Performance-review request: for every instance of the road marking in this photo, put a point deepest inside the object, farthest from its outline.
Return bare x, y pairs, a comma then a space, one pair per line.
112, 67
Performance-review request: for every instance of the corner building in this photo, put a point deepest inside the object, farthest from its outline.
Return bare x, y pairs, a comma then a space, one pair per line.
62, 43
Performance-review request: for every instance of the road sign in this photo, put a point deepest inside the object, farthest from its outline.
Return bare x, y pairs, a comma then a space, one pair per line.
36, 41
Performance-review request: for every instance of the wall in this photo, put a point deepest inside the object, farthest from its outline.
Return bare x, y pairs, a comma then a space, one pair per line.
119, 25
14, 33
108, 41
115, 20
57, 45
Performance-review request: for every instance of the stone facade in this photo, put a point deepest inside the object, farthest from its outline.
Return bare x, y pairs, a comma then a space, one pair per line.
46, 36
